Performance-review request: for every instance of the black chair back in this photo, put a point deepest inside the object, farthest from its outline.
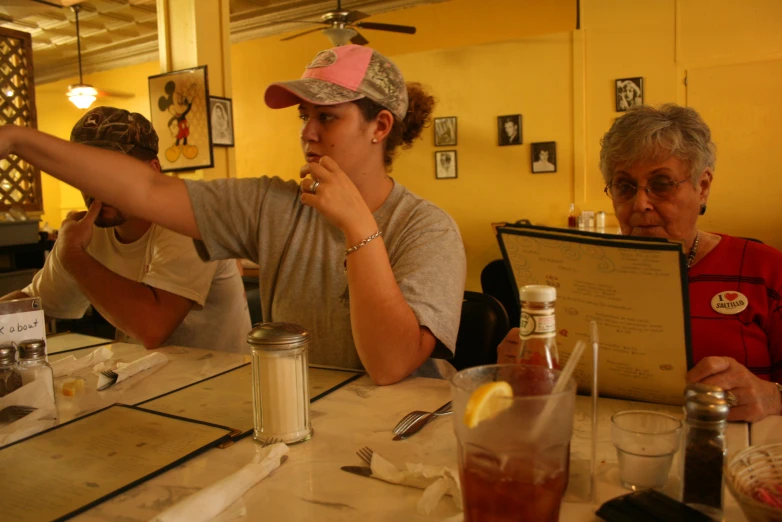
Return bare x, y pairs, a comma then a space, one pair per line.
484, 323
253, 293
496, 282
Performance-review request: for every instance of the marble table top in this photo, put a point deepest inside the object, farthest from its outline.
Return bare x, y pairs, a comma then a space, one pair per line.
185, 366
767, 431
67, 341
311, 486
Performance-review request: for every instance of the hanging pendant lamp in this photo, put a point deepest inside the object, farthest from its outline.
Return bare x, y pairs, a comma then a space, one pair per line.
80, 94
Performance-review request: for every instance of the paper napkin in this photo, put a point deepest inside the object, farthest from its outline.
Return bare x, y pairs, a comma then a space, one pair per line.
212, 500
37, 394
126, 370
70, 364
436, 481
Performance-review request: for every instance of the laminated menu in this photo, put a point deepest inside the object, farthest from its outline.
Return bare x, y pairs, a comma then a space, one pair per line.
635, 289
70, 468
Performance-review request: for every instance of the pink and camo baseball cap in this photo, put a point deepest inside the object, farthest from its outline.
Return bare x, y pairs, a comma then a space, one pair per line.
343, 74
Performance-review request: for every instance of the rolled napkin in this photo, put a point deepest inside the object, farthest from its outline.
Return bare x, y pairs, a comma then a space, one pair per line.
212, 500
436, 481
70, 364
126, 370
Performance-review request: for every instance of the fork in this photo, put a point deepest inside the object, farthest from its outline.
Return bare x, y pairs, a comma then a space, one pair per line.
269, 442
365, 454
410, 419
112, 375
11, 414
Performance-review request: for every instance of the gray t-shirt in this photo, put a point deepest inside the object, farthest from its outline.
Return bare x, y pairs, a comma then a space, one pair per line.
300, 257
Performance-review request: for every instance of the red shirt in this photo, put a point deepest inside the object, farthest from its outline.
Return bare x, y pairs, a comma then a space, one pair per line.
753, 336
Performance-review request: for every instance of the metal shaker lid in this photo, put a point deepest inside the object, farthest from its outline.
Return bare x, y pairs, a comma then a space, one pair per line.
7, 353
32, 349
706, 408
280, 336
699, 388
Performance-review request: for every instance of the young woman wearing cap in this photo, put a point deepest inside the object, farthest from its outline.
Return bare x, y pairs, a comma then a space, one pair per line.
375, 273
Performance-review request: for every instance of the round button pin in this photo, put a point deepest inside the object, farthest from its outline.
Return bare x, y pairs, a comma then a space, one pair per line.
729, 302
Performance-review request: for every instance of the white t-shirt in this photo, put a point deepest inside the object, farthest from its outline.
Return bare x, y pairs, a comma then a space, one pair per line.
219, 319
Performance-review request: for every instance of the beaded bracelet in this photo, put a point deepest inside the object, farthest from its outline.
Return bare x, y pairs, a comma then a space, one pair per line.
355, 247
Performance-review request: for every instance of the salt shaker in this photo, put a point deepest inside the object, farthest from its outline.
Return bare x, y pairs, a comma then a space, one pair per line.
600, 221
32, 364
281, 405
10, 378
704, 449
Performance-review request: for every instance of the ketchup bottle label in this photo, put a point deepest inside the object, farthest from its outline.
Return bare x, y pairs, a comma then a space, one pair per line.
537, 324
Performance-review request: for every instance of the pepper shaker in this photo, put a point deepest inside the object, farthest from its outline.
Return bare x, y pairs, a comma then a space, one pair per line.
704, 450
10, 378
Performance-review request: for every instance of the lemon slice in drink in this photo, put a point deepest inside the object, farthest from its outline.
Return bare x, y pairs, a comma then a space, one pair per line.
485, 402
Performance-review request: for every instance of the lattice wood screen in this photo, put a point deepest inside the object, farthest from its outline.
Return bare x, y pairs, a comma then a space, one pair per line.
20, 182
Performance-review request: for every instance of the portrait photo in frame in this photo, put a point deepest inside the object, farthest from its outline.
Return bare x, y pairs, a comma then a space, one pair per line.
544, 157
221, 121
445, 131
629, 93
179, 109
509, 130
445, 164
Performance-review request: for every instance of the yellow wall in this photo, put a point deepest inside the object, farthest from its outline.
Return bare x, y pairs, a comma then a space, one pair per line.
734, 82
56, 115
456, 55
623, 40
503, 57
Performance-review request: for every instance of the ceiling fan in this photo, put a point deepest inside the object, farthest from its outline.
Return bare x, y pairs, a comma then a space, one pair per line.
342, 27
83, 95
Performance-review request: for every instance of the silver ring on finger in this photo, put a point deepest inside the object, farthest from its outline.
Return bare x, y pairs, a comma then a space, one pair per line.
314, 187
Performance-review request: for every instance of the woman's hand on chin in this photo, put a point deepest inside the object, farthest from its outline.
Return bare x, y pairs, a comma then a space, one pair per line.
756, 399
338, 199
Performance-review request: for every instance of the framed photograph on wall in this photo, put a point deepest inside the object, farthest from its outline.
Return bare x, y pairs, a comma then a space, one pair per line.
445, 131
509, 130
221, 121
180, 116
629, 93
445, 164
544, 156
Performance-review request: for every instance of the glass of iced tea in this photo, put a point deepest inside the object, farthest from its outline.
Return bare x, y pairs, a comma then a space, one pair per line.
513, 436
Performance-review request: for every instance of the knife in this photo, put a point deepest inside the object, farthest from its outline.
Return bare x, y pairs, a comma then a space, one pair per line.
366, 471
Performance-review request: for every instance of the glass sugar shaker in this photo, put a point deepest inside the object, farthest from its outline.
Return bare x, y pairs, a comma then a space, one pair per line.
281, 404
32, 364
10, 378
704, 450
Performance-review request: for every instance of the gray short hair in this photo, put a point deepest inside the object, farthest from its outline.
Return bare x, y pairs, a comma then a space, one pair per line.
647, 133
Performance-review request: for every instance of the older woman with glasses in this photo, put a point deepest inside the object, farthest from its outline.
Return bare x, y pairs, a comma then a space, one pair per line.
658, 164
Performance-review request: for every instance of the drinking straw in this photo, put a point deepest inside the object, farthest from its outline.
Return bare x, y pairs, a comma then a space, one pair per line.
559, 387
594, 339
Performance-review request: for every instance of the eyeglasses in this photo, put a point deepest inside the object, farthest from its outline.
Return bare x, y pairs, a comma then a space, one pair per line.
661, 187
